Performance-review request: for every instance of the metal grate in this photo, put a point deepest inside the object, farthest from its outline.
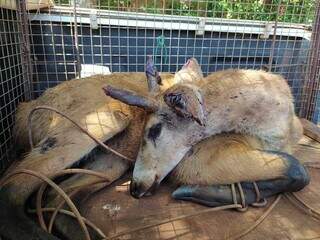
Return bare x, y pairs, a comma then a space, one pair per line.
311, 108
13, 80
73, 36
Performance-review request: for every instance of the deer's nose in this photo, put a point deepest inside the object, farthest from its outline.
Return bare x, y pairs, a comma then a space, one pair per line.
136, 189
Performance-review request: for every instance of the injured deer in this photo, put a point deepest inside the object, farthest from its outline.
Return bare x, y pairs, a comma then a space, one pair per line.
233, 126
59, 145
240, 126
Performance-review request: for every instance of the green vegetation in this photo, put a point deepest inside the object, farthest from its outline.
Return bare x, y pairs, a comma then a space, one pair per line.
294, 11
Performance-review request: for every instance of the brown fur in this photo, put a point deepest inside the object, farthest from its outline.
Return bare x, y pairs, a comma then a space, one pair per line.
127, 142
230, 158
270, 115
247, 102
84, 101
77, 97
190, 72
211, 159
226, 159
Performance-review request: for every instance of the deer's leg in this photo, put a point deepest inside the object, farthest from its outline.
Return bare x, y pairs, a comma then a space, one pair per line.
295, 178
107, 164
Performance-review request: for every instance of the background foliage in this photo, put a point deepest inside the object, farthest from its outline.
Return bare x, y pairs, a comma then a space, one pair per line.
295, 11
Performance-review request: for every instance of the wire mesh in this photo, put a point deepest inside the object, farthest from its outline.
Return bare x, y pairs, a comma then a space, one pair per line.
311, 108
13, 81
118, 34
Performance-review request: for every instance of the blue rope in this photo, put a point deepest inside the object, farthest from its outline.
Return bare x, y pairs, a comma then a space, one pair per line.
161, 46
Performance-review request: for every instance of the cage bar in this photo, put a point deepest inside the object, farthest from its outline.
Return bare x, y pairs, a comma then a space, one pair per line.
14, 76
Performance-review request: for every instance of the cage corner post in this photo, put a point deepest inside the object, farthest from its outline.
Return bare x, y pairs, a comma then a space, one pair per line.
311, 89
76, 39
25, 48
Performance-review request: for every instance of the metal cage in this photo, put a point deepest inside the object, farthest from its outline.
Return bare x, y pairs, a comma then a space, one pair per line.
65, 39
14, 73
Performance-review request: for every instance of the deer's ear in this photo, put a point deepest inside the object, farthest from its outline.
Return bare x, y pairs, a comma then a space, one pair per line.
187, 101
190, 72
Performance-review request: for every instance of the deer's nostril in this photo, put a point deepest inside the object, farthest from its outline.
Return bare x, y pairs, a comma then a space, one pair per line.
135, 190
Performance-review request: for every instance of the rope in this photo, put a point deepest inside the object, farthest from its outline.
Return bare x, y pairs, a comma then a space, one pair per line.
258, 222
67, 171
295, 199
256, 189
7, 179
298, 202
75, 124
39, 207
71, 214
243, 199
60, 205
234, 194
215, 209
306, 208
82, 221
258, 202
161, 45
231, 206
43, 187
58, 208
243, 206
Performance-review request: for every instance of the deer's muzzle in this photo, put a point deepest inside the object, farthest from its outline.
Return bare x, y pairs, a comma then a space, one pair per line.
138, 190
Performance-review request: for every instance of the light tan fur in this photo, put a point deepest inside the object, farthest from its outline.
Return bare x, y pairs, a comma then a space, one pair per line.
190, 72
212, 160
227, 159
76, 97
256, 103
79, 97
247, 102
84, 101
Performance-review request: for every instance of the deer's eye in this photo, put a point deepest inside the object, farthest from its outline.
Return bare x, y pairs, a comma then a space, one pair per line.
154, 131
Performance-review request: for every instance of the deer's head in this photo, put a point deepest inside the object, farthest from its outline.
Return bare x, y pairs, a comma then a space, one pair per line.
176, 122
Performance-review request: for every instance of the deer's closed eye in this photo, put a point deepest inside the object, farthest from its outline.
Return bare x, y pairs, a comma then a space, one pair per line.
154, 131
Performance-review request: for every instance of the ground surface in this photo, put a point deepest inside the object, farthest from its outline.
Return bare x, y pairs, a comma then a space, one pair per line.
115, 211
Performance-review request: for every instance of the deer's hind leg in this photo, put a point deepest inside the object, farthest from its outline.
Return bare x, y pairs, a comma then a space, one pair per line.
206, 175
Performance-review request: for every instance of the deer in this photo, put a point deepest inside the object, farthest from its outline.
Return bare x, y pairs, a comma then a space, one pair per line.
59, 145
196, 173
233, 126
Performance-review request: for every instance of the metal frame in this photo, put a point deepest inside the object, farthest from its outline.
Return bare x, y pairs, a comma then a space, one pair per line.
15, 80
311, 108
121, 40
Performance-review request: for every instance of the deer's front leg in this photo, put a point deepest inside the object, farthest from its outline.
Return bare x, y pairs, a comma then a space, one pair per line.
295, 178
